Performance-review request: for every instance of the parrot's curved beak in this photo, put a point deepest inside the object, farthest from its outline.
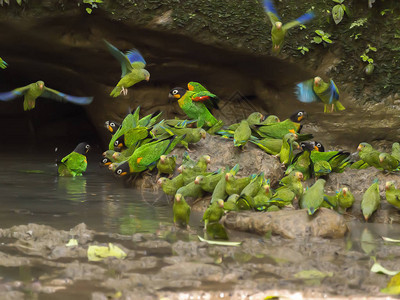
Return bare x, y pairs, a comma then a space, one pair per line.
359, 147
147, 78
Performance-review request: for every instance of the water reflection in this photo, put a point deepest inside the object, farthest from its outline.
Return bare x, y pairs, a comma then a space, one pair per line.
75, 188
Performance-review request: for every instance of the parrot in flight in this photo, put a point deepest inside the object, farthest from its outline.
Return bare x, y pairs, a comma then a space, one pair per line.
317, 90
133, 69
197, 103
34, 90
3, 64
279, 30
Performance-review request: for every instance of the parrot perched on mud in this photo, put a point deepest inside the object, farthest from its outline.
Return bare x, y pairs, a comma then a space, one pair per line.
181, 211
170, 186
369, 155
253, 119
196, 103
302, 162
193, 135
286, 153
34, 90
396, 151
214, 212
388, 162
317, 90
191, 169
242, 134
191, 190
75, 163
3, 64
392, 194
133, 69
293, 182
146, 156
345, 198
370, 200
209, 182
166, 165
279, 30
313, 197
131, 137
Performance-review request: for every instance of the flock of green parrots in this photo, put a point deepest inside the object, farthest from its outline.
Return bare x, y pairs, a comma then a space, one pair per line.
141, 144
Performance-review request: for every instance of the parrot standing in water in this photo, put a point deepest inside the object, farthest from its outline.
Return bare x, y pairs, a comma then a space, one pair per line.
133, 69
317, 90
370, 200
313, 197
75, 163
279, 30
3, 64
196, 103
214, 212
34, 90
181, 211
392, 194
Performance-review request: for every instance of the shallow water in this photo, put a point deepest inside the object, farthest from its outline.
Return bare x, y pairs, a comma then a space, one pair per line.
31, 192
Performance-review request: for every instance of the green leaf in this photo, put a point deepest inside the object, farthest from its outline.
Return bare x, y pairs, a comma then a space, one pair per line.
377, 268
372, 48
19, 2
88, 10
364, 57
97, 253
221, 243
346, 10
393, 287
369, 69
387, 239
319, 32
338, 1
72, 242
359, 22
317, 40
327, 40
337, 13
370, 61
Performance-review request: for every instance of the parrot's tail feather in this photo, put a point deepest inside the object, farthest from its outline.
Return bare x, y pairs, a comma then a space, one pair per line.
306, 17
116, 92
269, 6
311, 211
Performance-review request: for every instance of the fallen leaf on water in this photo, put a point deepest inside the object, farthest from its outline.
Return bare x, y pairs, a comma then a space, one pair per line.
97, 253
72, 242
387, 239
221, 243
377, 268
393, 287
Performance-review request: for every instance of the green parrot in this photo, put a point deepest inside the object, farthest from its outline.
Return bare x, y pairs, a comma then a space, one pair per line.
251, 190
219, 191
209, 182
235, 185
255, 118
278, 130
181, 211
278, 30
242, 134
286, 153
260, 201
193, 135
396, 151
330, 201
302, 162
75, 163
345, 198
146, 156
270, 119
369, 155
130, 121
392, 194
192, 190
388, 163
270, 145
105, 162
230, 203
34, 90
166, 165
313, 197
293, 182
214, 212
337, 160
3, 64
190, 171
196, 104
370, 200
317, 90
133, 69
131, 138
282, 197
170, 186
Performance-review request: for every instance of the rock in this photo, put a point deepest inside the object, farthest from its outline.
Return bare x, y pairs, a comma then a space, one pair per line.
289, 223
192, 271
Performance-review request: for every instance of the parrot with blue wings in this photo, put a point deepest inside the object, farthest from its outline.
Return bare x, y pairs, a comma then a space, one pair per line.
133, 69
3, 64
317, 90
34, 90
279, 30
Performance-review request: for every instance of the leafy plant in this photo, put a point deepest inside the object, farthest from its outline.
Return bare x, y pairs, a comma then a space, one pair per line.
339, 10
358, 22
365, 58
323, 37
8, 2
93, 4
303, 49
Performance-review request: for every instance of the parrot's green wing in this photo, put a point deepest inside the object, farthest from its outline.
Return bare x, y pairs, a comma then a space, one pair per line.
58, 96
75, 162
126, 65
271, 11
7, 96
301, 20
3, 64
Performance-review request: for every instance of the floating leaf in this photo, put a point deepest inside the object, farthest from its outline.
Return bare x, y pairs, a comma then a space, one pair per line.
97, 253
393, 287
72, 242
220, 243
337, 13
387, 239
377, 268
312, 274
